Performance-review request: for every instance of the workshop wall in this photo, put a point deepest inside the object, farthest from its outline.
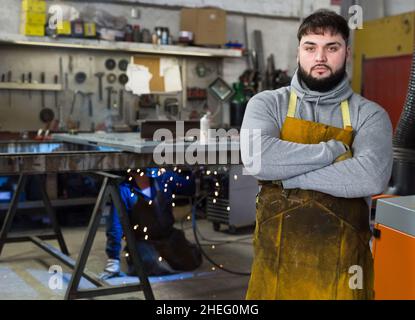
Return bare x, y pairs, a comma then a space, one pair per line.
376, 9
278, 22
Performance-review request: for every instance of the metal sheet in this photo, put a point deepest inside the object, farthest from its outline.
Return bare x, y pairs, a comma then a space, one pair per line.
397, 213
132, 142
35, 147
94, 152
72, 162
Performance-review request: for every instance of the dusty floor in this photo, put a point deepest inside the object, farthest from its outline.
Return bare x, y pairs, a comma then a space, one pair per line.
24, 268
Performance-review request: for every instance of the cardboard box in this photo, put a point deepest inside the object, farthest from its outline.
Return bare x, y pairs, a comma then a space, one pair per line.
32, 29
207, 24
38, 6
28, 17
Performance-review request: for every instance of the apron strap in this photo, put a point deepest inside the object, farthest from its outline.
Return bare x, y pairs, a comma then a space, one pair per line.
346, 114
292, 106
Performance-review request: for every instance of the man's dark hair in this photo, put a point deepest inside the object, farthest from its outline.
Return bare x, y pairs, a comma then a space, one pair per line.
322, 21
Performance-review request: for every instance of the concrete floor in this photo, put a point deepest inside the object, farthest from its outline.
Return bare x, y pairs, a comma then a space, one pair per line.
24, 268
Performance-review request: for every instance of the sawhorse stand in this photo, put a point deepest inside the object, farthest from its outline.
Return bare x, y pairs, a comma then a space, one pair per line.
109, 188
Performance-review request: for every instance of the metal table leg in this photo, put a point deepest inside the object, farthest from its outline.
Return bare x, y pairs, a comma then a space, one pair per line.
71, 291
130, 239
109, 187
52, 215
12, 211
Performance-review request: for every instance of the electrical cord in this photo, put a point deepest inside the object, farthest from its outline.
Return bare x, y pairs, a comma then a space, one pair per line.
200, 246
195, 231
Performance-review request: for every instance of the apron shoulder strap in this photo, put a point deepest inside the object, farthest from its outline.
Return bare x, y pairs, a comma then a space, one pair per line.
346, 114
292, 105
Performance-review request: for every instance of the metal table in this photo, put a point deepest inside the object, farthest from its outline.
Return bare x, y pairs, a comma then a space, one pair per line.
94, 154
40, 158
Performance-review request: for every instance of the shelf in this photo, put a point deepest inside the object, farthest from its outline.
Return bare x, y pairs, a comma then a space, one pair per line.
104, 45
30, 86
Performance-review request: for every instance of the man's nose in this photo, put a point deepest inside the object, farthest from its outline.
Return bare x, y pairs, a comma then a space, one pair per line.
320, 55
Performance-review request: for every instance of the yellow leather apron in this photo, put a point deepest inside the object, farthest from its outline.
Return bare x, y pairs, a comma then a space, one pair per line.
308, 244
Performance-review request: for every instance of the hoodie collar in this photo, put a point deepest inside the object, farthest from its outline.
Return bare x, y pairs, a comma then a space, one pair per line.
341, 92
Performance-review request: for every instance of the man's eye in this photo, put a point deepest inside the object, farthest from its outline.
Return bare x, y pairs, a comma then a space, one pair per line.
333, 49
310, 49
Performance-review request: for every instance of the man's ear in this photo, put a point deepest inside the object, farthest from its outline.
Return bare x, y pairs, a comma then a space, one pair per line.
348, 53
298, 54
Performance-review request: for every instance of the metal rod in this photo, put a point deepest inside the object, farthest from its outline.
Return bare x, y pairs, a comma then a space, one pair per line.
89, 293
130, 239
52, 215
87, 243
69, 262
28, 238
12, 211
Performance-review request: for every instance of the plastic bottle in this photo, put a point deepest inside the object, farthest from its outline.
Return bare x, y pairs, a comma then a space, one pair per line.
204, 128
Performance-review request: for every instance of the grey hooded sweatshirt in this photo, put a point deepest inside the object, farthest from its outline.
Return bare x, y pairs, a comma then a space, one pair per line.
310, 166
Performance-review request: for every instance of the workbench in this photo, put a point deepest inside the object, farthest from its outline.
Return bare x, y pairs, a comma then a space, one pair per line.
96, 154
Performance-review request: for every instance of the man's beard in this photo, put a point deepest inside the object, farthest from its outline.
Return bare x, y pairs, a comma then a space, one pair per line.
324, 84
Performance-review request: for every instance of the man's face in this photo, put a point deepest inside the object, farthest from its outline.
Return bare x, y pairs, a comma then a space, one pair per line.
322, 60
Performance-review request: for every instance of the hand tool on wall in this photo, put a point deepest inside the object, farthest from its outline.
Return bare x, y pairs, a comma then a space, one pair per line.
99, 75
110, 64
29, 79
90, 108
121, 104
46, 115
61, 69
23, 78
42, 80
3, 77
55, 80
109, 96
80, 77
75, 94
114, 101
111, 78
123, 64
9, 79
122, 78
66, 81
70, 64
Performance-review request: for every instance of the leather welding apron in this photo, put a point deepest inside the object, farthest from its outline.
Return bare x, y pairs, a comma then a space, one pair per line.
308, 244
